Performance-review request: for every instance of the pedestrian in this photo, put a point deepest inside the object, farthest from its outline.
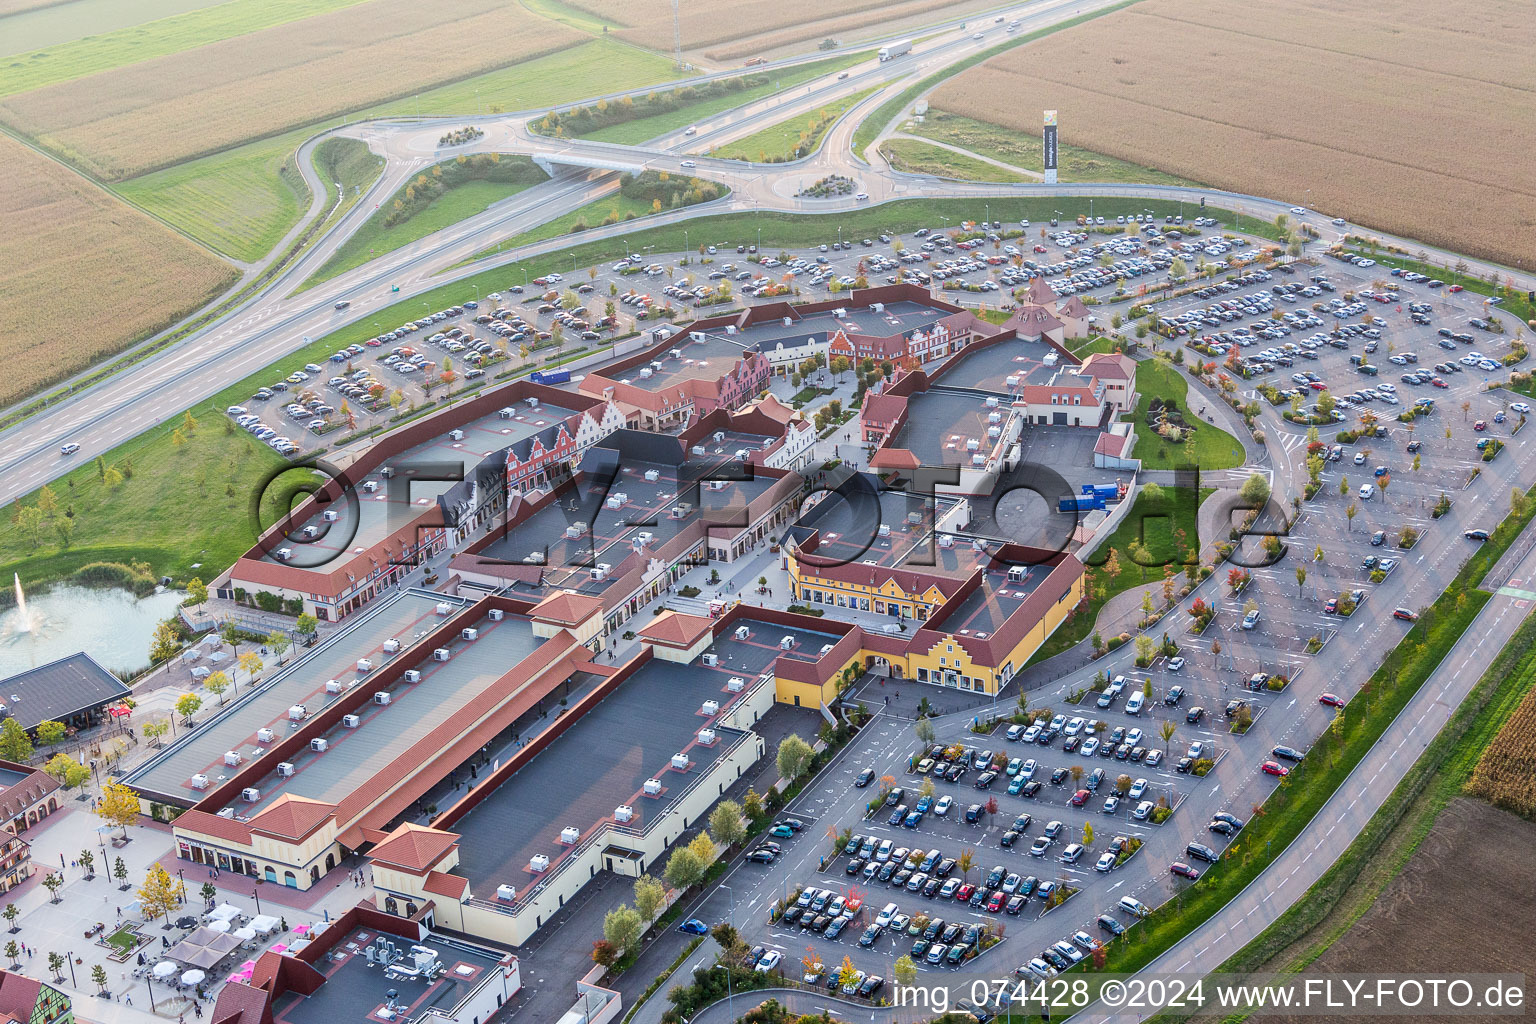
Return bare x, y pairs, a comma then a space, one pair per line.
119, 913
128, 999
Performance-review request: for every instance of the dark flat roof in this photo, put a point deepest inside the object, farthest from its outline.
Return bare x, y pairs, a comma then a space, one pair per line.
10, 777
707, 359
354, 989
986, 608
59, 689
850, 529
940, 424
302, 681
987, 368
897, 318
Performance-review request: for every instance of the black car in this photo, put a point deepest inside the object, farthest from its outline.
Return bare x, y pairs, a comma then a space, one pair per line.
944, 868
871, 985
1184, 765
1194, 714
1174, 695
793, 915
865, 778
761, 856
985, 779
1109, 924
1008, 839
1201, 852
1288, 753
855, 866
887, 870
1222, 828
931, 887
1022, 822
973, 814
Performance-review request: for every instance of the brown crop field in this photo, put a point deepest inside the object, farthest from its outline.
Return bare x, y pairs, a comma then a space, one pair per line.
159, 112
1385, 112
1464, 891
727, 30
82, 274
1506, 773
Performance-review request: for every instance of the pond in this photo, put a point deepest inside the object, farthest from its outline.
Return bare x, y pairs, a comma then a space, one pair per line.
110, 625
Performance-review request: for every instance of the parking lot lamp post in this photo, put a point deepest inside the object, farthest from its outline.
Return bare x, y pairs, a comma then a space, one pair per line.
1090, 209
685, 240
573, 261
72, 982
257, 899
730, 991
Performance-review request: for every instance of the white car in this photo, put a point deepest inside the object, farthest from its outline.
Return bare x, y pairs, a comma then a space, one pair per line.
883, 919
1300, 211
862, 197
1520, 407
691, 130
942, 807
769, 961
1138, 790
689, 163
69, 449
1105, 862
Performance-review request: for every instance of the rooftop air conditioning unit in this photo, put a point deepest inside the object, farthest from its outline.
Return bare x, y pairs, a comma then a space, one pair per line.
677, 512
914, 518
978, 459
412, 675
387, 472
469, 632
742, 453
457, 435
994, 417
496, 614
971, 444
946, 541
381, 697
538, 863
680, 762
706, 737
199, 781
441, 654
370, 486
573, 531
646, 372
612, 501
283, 554
736, 685
443, 608
730, 328
711, 707
506, 412
533, 403
742, 632
623, 814
699, 449
391, 646
710, 660
364, 665
652, 787
884, 530
645, 536
310, 532
350, 721
297, 713
330, 515
250, 795
506, 893
676, 353
569, 835
333, 686
824, 649
978, 545
1015, 573
285, 769
787, 643
841, 314
226, 812
991, 401
994, 432
651, 476
1013, 380
719, 436
717, 485
265, 735
318, 744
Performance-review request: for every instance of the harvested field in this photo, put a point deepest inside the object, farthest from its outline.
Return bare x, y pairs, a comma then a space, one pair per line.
728, 30
17, 6
82, 274
159, 112
1506, 773
1455, 895
1252, 104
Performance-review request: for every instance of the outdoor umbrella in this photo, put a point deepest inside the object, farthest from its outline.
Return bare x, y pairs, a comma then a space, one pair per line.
193, 977
165, 968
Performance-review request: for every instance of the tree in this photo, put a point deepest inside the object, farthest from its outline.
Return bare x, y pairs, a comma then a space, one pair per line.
1349, 515
905, 970
794, 756
15, 745
118, 806
752, 804
159, 894
650, 897
703, 848
251, 662
197, 592
924, 730
99, 976
154, 730
120, 869
69, 772
209, 891
279, 642
1301, 578
306, 624
683, 869
53, 882
726, 825
10, 914
1165, 732
1087, 833
217, 684
965, 863
621, 926
165, 643
56, 965
50, 733
604, 954
187, 705
1255, 490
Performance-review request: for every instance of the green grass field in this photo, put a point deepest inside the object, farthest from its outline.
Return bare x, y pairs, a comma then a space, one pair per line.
1214, 448
592, 213
238, 203
1027, 151
917, 157
86, 56
645, 128
63, 21
565, 14
778, 141
373, 240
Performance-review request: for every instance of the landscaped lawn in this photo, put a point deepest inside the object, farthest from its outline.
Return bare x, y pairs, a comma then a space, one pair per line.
1214, 448
917, 157
778, 141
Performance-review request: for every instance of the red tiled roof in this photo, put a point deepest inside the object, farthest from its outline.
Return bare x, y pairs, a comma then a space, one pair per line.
241, 1004
882, 408
18, 994
15, 799
439, 883
414, 847
567, 608
1110, 365
771, 407
1073, 307
676, 629
215, 827
894, 458
1113, 445
1031, 321
1040, 293
292, 817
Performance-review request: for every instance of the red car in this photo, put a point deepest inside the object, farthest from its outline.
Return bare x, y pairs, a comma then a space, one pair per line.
1405, 614
964, 893
1331, 607
1274, 768
1480, 425
1437, 382
1080, 797
1332, 700
1040, 248
1318, 385
1456, 288
995, 904
1183, 870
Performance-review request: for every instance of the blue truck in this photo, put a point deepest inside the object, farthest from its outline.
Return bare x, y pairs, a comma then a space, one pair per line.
1080, 503
550, 376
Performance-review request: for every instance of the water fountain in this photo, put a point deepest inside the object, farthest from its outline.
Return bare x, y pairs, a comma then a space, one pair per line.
23, 623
